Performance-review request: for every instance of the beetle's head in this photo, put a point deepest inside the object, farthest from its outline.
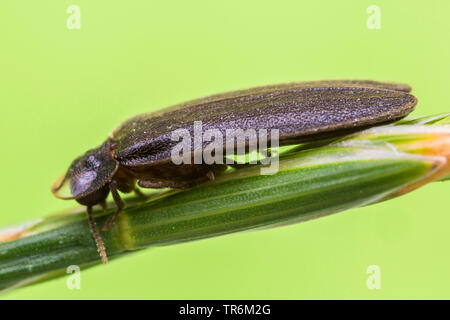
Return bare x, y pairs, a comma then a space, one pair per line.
88, 177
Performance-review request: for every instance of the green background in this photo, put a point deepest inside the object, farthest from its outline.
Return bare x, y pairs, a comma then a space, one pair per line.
62, 91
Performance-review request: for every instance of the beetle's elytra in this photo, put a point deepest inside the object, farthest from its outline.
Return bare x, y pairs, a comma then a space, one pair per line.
139, 149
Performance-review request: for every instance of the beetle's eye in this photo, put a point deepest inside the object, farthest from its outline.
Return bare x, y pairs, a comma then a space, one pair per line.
92, 162
86, 174
61, 188
74, 184
80, 177
81, 182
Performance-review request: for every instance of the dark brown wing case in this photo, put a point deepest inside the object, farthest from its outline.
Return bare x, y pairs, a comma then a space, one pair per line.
300, 111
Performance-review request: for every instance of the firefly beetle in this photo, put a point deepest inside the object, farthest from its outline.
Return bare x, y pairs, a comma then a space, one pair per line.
138, 151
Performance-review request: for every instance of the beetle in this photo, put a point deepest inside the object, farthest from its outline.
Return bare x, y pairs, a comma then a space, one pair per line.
139, 150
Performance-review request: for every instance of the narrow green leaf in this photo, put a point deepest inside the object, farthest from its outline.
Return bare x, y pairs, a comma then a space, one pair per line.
312, 182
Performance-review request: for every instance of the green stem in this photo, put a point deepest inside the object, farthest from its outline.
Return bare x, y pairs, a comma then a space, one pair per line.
310, 183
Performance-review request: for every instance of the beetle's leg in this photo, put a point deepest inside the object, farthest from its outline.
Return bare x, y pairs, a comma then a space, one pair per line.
98, 239
210, 175
140, 194
119, 202
157, 184
103, 205
239, 165
195, 176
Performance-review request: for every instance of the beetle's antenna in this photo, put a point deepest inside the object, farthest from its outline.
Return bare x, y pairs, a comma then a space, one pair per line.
98, 239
